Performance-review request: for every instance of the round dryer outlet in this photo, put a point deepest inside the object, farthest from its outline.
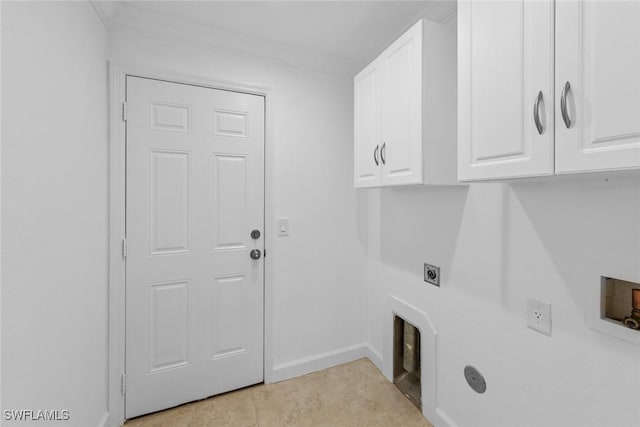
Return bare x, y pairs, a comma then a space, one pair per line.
475, 379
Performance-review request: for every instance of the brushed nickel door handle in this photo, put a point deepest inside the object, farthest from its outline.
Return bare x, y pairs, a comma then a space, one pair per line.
563, 105
536, 113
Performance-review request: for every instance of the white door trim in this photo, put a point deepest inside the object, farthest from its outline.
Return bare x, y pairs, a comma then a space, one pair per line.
117, 153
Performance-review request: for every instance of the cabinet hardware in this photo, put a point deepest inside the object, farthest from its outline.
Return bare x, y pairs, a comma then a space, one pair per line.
536, 113
375, 155
563, 105
382, 151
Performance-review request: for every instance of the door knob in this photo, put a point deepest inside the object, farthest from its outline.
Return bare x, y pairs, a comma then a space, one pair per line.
255, 254
255, 234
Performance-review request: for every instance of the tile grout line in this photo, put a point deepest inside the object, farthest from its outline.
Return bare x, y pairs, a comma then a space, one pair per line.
255, 408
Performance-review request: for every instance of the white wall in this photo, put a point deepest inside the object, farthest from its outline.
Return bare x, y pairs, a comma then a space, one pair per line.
0, 205
497, 244
54, 199
315, 276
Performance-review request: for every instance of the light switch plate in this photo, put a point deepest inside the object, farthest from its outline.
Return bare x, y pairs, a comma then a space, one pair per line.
539, 316
283, 226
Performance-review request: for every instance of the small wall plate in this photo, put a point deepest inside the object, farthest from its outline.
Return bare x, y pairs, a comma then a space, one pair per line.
539, 316
432, 274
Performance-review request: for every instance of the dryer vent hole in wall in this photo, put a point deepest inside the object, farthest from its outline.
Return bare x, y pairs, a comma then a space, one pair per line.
475, 379
406, 360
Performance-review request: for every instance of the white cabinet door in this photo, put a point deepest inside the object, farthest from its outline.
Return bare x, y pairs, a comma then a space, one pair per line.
367, 122
505, 64
598, 54
401, 150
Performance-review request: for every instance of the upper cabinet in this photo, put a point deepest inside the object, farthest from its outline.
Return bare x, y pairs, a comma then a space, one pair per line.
505, 66
533, 102
405, 111
597, 85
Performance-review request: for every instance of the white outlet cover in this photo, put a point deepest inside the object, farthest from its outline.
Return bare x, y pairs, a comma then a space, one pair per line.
539, 316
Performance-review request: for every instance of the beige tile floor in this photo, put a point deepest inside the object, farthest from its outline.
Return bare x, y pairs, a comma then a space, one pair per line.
354, 394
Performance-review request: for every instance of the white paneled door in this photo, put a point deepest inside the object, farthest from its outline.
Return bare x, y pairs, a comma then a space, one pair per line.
194, 292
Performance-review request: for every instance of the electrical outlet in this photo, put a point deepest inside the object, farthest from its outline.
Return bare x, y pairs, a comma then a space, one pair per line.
539, 316
432, 274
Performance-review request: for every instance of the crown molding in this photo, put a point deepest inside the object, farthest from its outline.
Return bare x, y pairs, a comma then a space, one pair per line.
451, 17
440, 11
107, 11
169, 28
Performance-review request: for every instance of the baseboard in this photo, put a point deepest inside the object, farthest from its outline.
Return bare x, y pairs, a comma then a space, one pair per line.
104, 421
444, 420
307, 365
374, 355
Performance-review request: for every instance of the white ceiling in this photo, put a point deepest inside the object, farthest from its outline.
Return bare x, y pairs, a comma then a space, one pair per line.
354, 31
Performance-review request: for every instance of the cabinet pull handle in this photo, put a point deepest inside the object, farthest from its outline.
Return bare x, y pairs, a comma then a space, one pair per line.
375, 155
563, 105
536, 113
382, 151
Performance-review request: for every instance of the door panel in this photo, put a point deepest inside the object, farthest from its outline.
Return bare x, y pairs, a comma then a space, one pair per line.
401, 111
170, 117
195, 190
229, 199
170, 220
230, 298
598, 53
169, 325
367, 122
505, 62
498, 74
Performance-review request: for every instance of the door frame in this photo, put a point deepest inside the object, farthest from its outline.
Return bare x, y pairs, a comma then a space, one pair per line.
117, 187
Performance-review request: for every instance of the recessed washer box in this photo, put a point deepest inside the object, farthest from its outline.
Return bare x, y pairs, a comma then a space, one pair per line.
621, 302
610, 304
